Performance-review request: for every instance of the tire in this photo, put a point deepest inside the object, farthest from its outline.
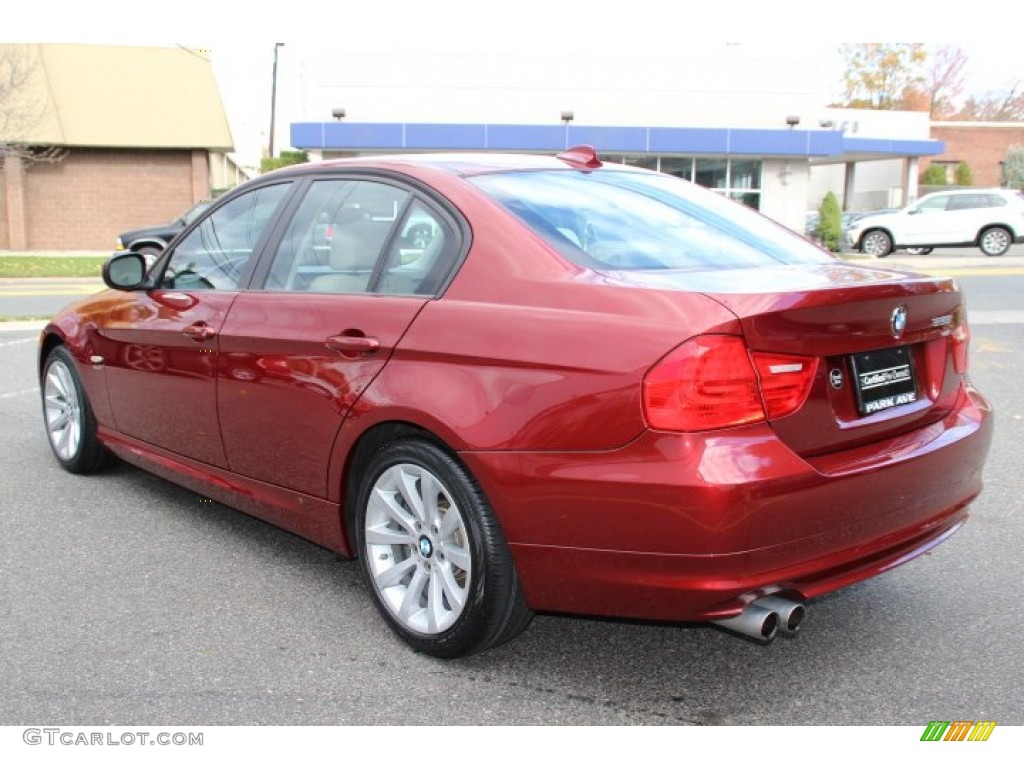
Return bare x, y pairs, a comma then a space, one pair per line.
876, 242
919, 251
995, 241
67, 415
433, 554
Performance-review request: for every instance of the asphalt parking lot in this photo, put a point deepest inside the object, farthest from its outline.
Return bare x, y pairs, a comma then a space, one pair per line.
126, 599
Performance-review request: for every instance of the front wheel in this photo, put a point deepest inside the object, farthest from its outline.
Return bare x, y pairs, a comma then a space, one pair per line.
876, 243
70, 424
433, 554
995, 241
919, 251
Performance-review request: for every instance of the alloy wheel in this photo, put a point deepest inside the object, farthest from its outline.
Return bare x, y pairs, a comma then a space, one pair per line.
63, 410
417, 549
995, 242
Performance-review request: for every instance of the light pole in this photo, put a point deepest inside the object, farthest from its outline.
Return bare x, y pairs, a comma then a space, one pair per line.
273, 99
567, 117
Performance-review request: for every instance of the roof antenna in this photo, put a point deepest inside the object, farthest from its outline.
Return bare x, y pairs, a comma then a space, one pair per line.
583, 156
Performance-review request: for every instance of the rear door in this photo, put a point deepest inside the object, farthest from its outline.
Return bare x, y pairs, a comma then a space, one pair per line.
163, 343
352, 268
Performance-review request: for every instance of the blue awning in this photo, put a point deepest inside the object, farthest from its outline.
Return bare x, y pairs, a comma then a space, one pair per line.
818, 145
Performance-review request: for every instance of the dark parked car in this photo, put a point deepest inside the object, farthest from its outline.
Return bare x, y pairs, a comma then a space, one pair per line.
592, 389
151, 241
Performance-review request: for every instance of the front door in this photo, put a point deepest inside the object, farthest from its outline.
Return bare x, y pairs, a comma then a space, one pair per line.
162, 345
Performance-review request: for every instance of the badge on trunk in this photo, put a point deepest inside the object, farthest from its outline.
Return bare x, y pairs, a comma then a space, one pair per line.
898, 321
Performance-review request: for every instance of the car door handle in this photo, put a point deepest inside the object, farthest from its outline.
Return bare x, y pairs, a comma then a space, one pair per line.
199, 331
352, 345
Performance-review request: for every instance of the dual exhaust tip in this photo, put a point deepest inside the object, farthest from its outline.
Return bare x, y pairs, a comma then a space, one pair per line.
765, 617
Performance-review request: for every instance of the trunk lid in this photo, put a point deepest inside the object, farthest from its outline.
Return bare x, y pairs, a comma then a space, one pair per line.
849, 319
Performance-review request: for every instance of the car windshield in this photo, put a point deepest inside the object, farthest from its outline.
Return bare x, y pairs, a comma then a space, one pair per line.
624, 220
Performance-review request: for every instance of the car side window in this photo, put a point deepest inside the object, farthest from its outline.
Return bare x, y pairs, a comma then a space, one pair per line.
214, 254
336, 236
966, 202
933, 204
421, 256
360, 236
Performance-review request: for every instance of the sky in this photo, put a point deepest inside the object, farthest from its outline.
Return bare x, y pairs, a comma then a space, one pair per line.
241, 37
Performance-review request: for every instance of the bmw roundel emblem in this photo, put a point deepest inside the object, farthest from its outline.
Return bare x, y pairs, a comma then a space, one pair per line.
899, 321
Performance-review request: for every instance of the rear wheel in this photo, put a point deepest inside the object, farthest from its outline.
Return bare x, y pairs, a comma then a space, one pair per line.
433, 553
995, 241
70, 424
876, 243
919, 251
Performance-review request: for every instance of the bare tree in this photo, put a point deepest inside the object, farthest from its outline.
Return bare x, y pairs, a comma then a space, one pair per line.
944, 80
997, 106
23, 108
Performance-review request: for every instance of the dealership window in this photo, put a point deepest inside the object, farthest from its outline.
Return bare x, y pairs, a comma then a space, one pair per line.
735, 178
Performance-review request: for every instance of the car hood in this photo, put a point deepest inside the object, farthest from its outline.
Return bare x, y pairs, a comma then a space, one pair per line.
162, 231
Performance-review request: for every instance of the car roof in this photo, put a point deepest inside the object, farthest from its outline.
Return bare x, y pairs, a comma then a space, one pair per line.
971, 191
457, 163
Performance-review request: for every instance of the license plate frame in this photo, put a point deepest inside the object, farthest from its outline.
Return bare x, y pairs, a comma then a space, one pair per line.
883, 379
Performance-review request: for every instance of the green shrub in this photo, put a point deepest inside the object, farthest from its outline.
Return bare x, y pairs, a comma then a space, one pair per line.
287, 157
964, 177
934, 176
830, 222
1013, 167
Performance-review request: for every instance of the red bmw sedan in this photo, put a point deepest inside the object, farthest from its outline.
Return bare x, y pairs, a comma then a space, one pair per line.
511, 384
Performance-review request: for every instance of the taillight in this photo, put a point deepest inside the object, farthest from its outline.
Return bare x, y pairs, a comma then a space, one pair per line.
706, 383
959, 340
785, 381
713, 382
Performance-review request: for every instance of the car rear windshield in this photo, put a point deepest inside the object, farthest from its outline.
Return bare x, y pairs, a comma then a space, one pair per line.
622, 220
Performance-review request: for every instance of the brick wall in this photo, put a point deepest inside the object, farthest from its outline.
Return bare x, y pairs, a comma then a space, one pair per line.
84, 201
983, 148
5, 238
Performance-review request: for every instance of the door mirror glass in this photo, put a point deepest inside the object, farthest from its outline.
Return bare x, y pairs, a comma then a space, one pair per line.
125, 272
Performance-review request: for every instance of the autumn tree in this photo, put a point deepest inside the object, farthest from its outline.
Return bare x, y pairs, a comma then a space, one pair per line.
882, 75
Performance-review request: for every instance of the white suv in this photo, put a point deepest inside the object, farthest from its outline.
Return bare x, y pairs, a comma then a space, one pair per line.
991, 219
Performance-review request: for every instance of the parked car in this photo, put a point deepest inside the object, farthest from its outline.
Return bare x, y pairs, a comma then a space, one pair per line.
990, 219
592, 389
150, 242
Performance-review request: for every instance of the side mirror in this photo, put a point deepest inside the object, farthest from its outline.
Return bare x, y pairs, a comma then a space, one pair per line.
125, 272
914, 211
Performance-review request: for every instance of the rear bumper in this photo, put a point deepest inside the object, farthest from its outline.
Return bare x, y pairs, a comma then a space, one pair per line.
691, 527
